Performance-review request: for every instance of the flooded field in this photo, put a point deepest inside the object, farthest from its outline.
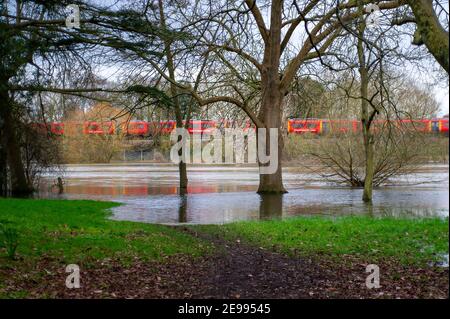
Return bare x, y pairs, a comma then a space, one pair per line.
222, 194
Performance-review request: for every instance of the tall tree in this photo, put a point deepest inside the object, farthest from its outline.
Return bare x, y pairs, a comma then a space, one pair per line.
34, 41
367, 114
182, 111
276, 54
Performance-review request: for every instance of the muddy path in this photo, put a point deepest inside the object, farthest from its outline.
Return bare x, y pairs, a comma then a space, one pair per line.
233, 270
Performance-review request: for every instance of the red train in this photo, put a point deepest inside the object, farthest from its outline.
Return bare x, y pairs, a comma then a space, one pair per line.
294, 126
320, 126
131, 128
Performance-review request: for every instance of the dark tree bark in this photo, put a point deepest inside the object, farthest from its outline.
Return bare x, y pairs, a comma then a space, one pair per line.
182, 209
368, 138
3, 164
19, 184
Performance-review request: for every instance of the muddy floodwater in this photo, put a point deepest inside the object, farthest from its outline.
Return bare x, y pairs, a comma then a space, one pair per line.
223, 194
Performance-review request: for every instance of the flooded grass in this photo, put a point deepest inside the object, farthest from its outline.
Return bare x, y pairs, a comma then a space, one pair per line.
409, 241
224, 194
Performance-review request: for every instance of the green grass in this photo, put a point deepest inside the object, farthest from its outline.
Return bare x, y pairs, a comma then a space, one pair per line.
80, 231
409, 241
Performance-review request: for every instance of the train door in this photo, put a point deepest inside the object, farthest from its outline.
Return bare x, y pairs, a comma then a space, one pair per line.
325, 127
435, 126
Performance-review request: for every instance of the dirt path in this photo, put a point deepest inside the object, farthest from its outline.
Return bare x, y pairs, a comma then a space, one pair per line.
242, 271
235, 270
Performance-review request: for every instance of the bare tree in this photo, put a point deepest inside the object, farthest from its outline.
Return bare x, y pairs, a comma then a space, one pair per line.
397, 144
264, 65
377, 48
176, 92
343, 158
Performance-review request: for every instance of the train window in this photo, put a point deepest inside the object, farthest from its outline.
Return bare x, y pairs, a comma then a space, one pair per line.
298, 125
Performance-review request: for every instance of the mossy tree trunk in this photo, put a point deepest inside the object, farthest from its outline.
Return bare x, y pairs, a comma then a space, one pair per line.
430, 31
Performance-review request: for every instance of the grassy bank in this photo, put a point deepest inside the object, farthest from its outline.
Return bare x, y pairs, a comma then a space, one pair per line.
134, 260
408, 241
80, 231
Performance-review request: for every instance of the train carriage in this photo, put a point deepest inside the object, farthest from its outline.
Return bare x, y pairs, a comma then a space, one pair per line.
136, 128
201, 126
57, 128
99, 128
303, 126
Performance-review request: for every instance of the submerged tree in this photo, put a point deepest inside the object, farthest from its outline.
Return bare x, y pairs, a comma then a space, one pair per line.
398, 143
372, 50
183, 103
262, 65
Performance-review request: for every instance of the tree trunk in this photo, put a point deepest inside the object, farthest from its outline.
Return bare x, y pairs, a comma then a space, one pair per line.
3, 165
430, 31
271, 116
366, 119
19, 184
368, 138
182, 209
183, 177
368, 180
3, 154
272, 99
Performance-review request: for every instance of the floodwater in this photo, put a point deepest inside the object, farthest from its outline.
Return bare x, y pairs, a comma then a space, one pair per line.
223, 194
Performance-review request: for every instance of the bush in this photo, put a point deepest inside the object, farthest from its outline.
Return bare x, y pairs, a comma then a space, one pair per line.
341, 158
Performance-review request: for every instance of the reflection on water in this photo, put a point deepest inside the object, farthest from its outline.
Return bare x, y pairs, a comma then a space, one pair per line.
226, 194
182, 209
270, 206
